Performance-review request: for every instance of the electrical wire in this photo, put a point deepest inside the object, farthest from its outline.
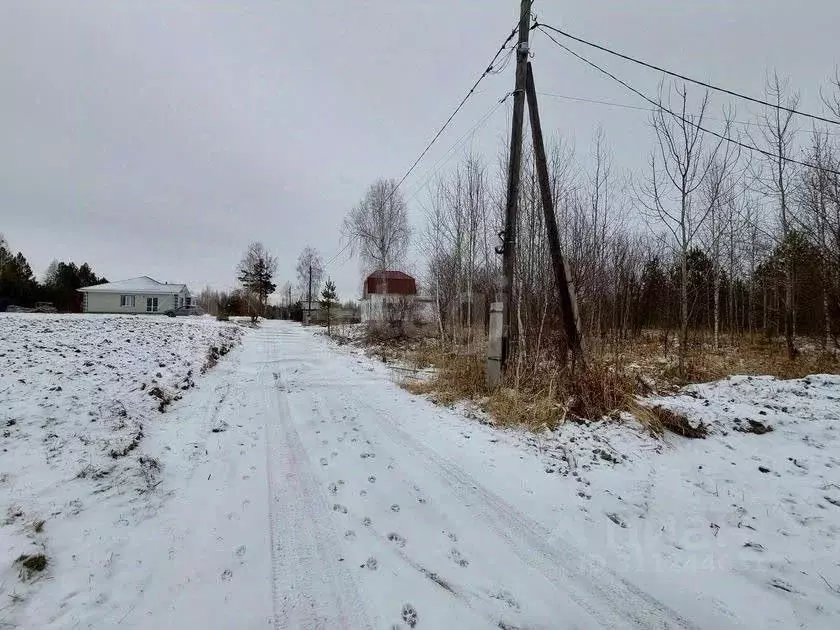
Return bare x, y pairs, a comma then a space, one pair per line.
704, 84
581, 99
487, 71
659, 106
447, 156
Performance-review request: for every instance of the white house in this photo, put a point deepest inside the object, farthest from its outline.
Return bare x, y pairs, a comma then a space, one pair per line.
137, 295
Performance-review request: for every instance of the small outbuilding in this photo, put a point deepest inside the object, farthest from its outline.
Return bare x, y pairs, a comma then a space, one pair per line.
389, 283
391, 297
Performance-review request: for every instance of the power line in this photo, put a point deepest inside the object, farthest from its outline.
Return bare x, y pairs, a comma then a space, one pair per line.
488, 70
442, 161
683, 119
581, 99
710, 86
449, 153
340, 252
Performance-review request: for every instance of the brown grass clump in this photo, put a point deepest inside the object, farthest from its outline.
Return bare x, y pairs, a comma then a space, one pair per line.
658, 420
458, 376
31, 564
544, 398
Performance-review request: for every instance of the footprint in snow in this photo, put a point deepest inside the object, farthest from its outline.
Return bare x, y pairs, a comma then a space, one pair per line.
397, 539
409, 615
325, 442
240, 551
339, 508
371, 564
366, 521
458, 559
371, 479
350, 534
333, 488
362, 493
395, 508
227, 575
367, 455
507, 598
451, 536
324, 461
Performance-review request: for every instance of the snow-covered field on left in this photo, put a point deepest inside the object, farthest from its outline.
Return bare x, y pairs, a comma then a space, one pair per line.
77, 395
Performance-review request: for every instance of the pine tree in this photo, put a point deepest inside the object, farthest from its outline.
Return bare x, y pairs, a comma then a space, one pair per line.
329, 297
256, 271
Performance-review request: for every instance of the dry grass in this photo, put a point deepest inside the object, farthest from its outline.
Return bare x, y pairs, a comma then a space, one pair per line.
654, 358
545, 394
545, 398
30, 565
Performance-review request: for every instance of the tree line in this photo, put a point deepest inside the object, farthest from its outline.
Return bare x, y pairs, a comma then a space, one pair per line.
708, 240
59, 285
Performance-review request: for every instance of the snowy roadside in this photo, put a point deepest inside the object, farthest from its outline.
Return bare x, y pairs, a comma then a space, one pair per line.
79, 396
744, 523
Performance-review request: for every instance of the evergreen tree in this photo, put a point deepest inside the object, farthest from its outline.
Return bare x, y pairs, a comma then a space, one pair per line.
329, 297
17, 283
256, 273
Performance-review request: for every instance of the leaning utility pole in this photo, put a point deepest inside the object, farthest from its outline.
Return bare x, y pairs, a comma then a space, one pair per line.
562, 273
514, 173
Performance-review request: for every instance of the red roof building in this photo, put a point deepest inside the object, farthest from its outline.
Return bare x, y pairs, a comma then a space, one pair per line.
390, 282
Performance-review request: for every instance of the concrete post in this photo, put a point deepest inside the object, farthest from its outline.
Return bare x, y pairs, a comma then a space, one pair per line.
494, 345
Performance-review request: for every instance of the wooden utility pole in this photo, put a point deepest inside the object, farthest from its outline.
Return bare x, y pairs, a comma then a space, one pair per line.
514, 173
309, 299
562, 273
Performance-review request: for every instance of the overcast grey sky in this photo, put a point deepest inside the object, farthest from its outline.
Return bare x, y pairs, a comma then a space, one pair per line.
161, 137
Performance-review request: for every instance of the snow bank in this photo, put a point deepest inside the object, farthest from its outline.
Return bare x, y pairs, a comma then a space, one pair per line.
77, 394
745, 522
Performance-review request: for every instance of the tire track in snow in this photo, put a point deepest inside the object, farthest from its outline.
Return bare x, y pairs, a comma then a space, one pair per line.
608, 597
311, 586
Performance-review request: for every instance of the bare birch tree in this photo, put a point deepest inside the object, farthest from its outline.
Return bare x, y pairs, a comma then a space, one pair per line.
679, 166
310, 266
777, 133
819, 199
377, 227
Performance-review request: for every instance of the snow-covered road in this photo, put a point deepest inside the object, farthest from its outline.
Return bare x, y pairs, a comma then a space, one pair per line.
331, 502
298, 486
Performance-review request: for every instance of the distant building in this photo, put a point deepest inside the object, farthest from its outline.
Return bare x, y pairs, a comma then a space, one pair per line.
137, 295
391, 296
389, 283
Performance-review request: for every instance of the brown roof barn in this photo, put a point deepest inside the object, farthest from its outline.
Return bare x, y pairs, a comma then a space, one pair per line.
395, 282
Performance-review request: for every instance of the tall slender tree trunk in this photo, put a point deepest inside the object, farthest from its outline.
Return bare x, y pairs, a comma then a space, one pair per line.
717, 308
683, 312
